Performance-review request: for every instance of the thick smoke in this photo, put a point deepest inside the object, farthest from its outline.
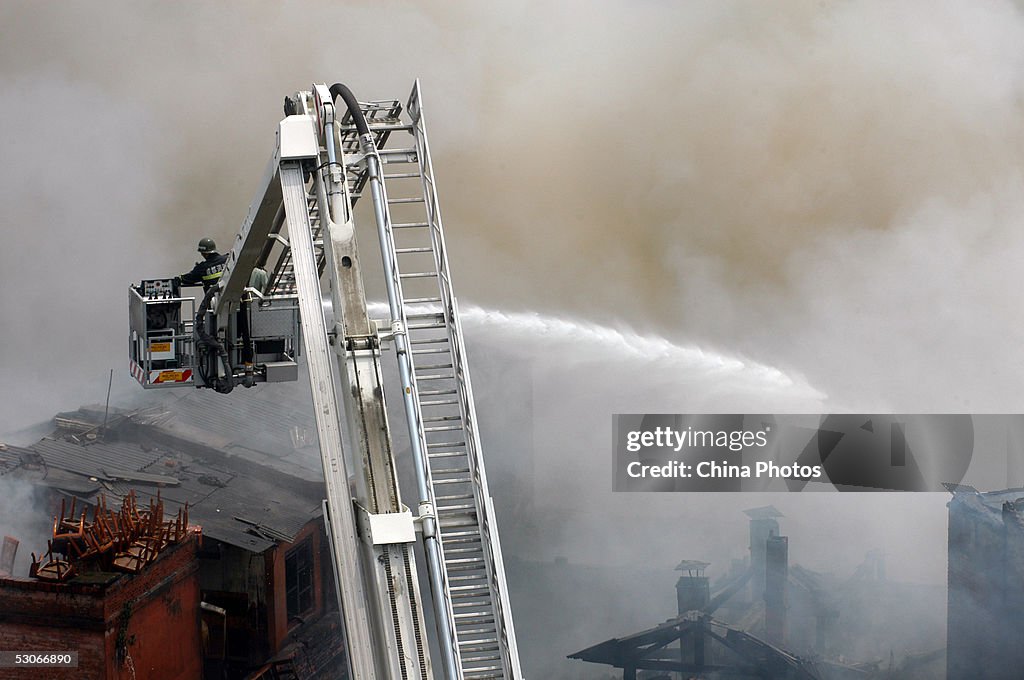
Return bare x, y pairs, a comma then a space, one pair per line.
831, 187
24, 518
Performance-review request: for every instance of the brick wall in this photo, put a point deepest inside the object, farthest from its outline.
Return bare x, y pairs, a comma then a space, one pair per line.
148, 622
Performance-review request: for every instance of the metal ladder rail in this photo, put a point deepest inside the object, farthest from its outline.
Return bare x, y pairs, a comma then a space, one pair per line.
485, 632
475, 598
485, 507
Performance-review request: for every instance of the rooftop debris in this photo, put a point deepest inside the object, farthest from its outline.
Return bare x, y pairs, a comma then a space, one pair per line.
123, 540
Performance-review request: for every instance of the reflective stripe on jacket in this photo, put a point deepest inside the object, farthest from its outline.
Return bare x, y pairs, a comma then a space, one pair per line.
206, 272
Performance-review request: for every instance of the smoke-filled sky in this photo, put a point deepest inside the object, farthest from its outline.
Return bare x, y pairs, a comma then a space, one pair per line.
831, 190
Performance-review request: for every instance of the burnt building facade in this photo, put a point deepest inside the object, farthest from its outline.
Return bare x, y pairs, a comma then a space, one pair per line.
985, 610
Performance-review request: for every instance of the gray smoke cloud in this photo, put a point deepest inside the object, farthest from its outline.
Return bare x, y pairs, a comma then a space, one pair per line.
828, 190
23, 517
832, 188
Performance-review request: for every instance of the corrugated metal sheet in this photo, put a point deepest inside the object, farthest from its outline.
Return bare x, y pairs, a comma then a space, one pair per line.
215, 495
10, 458
208, 514
90, 460
274, 419
269, 429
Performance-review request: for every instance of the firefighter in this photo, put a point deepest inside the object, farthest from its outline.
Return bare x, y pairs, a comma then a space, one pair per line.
259, 279
209, 270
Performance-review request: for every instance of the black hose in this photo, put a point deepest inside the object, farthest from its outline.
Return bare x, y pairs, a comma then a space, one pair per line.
353, 106
206, 342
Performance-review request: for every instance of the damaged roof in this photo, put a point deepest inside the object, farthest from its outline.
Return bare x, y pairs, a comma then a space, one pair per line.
988, 505
234, 500
284, 439
749, 656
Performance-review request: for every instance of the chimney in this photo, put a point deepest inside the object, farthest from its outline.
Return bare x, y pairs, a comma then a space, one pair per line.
776, 576
763, 524
693, 592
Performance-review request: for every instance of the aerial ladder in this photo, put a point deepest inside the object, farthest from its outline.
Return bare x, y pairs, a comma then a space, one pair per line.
331, 151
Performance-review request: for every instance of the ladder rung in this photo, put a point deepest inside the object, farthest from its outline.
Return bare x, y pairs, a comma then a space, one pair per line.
465, 480
475, 617
445, 428
417, 275
446, 454
397, 152
469, 589
463, 551
468, 577
441, 419
476, 631
413, 199
487, 644
481, 646
374, 127
462, 534
492, 672
413, 301
432, 366
455, 497
401, 175
436, 393
480, 607
455, 508
473, 537
439, 402
435, 377
433, 444
424, 249
452, 471
437, 350
465, 519
428, 341
409, 225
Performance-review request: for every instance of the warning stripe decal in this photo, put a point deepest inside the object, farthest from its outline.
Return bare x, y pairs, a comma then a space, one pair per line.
170, 376
137, 372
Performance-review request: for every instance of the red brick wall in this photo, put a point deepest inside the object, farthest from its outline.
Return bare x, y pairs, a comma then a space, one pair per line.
159, 630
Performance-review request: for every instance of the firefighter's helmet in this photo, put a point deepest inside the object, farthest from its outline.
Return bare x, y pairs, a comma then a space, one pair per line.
206, 245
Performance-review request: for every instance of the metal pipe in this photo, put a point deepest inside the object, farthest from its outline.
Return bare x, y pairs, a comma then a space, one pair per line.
338, 208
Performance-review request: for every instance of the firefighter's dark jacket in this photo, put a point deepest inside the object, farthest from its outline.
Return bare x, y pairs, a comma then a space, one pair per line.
206, 272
